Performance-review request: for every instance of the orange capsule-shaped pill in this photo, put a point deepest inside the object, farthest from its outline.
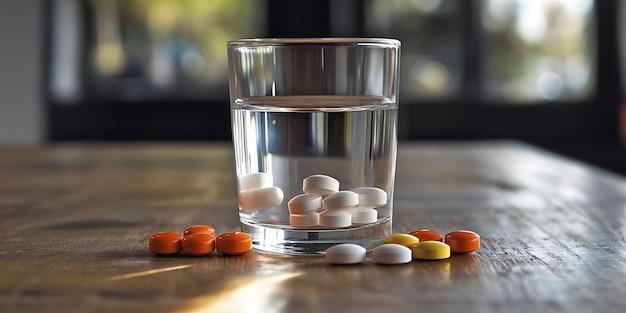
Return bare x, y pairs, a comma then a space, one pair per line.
427, 235
233, 243
199, 229
166, 242
462, 241
198, 244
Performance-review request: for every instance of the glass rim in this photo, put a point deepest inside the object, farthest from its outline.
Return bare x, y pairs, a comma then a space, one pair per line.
383, 42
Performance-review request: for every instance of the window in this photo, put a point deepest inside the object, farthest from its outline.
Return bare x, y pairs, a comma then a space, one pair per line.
144, 49
542, 71
511, 51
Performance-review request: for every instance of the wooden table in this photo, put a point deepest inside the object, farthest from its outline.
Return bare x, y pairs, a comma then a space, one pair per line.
74, 223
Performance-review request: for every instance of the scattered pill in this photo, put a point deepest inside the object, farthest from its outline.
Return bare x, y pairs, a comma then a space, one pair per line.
371, 196
255, 181
427, 235
304, 220
362, 215
304, 203
199, 229
345, 253
431, 250
462, 241
198, 244
233, 243
341, 200
167, 242
257, 199
320, 185
335, 219
402, 239
392, 253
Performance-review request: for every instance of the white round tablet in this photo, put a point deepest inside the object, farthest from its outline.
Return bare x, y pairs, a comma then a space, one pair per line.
304, 220
335, 219
341, 200
345, 253
320, 185
371, 196
361, 215
304, 203
263, 198
392, 253
255, 181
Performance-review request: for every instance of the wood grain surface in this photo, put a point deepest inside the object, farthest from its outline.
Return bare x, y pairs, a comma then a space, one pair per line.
74, 223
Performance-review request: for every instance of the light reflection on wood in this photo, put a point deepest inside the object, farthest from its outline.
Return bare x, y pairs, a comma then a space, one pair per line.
248, 295
150, 272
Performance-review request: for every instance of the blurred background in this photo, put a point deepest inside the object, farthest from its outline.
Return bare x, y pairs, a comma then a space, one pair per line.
546, 72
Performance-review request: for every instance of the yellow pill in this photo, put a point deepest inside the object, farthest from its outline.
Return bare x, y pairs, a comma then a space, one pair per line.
402, 239
431, 250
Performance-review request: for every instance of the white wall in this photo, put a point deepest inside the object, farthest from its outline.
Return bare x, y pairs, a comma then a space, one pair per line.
21, 99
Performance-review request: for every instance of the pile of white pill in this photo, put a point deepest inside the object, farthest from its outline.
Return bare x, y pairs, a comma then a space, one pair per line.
257, 192
323, 204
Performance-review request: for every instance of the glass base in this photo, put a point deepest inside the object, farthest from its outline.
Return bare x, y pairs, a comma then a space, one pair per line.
272, 239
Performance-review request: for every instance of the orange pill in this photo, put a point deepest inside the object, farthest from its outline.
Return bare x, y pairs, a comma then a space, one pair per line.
166, 242
233, 243
462, 241
427, 235
198, 244
199, 229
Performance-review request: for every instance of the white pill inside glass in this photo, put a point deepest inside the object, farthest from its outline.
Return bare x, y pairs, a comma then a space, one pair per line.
371, 196
391, 253
304, 203
320, 185
258, 199
345, 253
335, 219
255, 181
361, 215
304, 220
341, 200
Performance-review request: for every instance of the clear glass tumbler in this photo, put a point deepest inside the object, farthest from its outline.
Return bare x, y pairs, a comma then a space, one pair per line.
320, 106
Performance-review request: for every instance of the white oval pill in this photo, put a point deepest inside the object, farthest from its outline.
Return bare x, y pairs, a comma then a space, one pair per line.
335, 219
304, 203
392, 253
371, 196
361, 215
263, 198
341, 200
345, 253
255, 181
320, 185
304, 220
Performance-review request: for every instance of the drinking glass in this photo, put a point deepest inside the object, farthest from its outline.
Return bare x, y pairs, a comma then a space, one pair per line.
314, 106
